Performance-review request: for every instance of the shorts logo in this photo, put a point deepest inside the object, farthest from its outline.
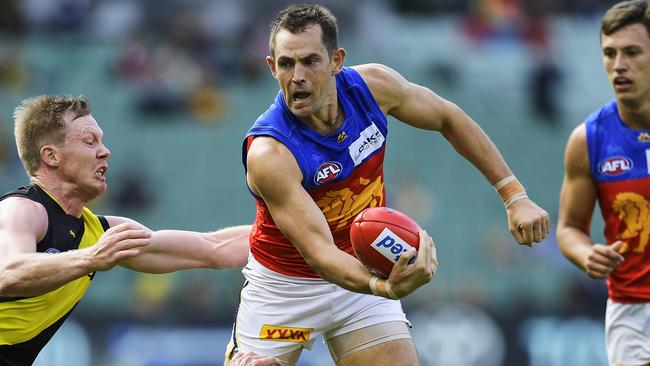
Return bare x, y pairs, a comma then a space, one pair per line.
371, 140
391, 246
327, 172
616, 166
284, 334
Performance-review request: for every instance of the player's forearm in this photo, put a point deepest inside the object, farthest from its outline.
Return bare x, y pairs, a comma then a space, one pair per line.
574, 244
342, 269
175, 250
469, 140
35, 274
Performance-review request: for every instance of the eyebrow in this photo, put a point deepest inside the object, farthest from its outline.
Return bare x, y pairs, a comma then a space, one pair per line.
311, 55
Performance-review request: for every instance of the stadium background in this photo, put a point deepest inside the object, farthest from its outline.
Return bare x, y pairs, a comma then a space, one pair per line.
175, 84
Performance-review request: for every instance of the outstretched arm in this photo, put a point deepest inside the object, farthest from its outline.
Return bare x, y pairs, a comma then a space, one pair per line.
577, 200
24, 272
174, 250
422, 108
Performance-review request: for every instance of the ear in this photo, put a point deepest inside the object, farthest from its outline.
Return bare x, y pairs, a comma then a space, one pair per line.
338, 59
50, 155
270, 61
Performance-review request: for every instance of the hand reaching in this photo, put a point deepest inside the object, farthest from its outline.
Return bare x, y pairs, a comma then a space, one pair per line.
117, 243
253, 359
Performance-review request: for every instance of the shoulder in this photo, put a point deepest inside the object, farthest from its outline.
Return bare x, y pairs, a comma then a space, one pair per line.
387, 86
378, 75
23, 214
602, 114
576, 153
269, 160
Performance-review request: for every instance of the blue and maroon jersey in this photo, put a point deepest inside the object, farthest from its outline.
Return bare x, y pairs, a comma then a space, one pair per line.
343, 171
620, 163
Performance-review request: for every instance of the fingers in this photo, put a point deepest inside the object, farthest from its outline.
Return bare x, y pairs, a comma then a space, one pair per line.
130, 247
434, 258
603, 259
253, 359
529, 223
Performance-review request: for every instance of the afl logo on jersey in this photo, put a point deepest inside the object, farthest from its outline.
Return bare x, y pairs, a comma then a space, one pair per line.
616, 166
327, 172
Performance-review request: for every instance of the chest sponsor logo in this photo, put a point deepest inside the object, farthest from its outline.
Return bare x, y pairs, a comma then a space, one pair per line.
370, 140
284, 334
391, 246
616, 166
328, 172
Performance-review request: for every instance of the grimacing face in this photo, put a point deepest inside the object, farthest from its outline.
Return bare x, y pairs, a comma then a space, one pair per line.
83, 158
304, 70
626, 57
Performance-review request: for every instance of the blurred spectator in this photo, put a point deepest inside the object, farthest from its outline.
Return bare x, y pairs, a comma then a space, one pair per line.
70, 15
12, 20
14, 75
132, 191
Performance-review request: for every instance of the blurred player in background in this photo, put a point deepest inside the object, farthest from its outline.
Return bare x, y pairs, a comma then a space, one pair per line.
51, 245
313, 161
607, 159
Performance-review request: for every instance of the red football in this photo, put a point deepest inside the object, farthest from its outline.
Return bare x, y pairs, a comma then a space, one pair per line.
379, 235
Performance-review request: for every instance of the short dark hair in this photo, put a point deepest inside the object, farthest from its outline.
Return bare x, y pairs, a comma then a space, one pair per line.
296, 18
626, 13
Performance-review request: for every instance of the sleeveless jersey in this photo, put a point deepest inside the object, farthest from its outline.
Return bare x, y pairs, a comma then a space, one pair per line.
620, 163
28, 323
342, 172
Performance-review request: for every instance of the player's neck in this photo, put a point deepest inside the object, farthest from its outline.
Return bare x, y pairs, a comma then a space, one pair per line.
329, 119
636, 116
63, 193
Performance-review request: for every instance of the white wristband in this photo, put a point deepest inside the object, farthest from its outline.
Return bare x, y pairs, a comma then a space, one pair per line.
502, 183
516, 197
389, 291
373, 285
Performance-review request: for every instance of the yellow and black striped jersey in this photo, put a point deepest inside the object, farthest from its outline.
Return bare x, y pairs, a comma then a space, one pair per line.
28, 323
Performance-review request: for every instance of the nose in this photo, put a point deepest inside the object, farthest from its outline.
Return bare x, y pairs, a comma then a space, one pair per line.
298, 74
620, 62
104, 152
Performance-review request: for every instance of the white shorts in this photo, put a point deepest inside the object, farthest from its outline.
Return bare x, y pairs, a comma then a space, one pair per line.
279, 314
627, 333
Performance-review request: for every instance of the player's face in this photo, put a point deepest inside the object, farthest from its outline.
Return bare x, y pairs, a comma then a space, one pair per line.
626, 57
304, 70
83, 158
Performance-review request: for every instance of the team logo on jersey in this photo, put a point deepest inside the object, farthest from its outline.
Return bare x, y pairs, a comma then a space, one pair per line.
328, 172
284, 334
644, 137
616, 166
370, 140
52, 251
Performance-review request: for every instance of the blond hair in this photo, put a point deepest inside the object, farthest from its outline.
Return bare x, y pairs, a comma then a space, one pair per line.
38, 121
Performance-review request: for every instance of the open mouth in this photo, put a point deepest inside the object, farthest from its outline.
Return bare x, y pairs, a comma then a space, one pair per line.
299, 96
622, 82
99, 173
